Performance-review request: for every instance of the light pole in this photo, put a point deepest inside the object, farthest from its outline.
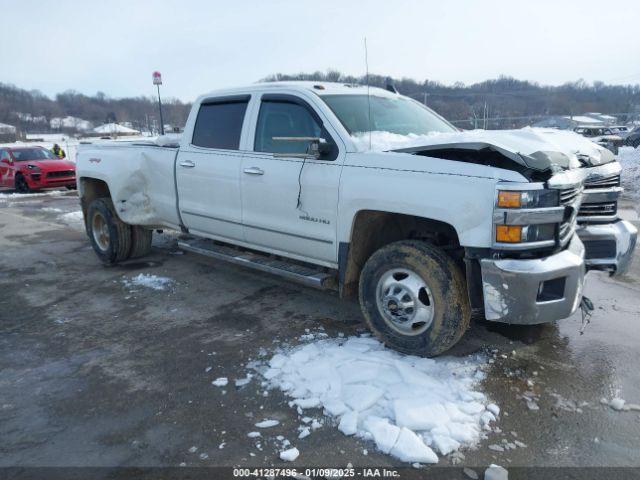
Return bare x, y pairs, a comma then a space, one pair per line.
157, 81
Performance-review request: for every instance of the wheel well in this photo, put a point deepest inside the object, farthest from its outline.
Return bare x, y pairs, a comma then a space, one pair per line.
90, 189
373, 230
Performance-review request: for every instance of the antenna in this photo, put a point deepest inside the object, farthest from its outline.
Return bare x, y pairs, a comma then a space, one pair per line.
366, 64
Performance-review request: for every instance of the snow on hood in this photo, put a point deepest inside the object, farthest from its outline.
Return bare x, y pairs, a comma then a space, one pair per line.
536, 148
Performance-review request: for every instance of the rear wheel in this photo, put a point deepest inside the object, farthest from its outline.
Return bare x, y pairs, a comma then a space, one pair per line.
414, 299
21, 184
110, 237
140, 241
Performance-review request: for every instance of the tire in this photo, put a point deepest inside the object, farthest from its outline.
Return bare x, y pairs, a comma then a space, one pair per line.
21, 184
438, 313
71, 187
110, 237
140, 241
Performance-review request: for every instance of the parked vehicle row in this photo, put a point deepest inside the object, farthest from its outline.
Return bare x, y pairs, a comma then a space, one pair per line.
374, 195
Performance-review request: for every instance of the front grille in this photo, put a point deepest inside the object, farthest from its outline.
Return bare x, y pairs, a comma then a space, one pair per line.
604, 182
569, 197
598, 209
61, 173
599, 248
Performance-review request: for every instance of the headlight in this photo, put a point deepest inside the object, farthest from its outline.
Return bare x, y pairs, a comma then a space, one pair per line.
525, 233
526, 216
527, 199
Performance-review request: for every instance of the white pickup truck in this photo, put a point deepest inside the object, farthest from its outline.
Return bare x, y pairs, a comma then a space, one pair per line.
372, 194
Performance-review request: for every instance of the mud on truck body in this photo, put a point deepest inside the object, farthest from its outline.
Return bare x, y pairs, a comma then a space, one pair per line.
368, 193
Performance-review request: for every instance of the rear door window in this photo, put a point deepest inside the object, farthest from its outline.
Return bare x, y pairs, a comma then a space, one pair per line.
219, 124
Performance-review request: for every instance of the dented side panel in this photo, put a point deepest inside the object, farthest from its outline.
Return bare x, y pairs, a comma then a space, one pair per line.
140, 179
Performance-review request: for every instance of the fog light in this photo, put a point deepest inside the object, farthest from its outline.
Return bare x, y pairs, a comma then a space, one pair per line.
509, 233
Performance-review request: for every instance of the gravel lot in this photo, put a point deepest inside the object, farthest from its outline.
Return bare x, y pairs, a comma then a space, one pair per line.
98, 368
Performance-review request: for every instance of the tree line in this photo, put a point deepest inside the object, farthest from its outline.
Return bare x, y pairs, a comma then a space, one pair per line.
504, 102
31, 111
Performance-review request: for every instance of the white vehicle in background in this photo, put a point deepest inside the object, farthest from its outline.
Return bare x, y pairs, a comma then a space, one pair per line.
606, 137
366, 192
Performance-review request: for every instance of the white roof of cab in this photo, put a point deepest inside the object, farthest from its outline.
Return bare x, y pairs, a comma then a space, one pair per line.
319, 88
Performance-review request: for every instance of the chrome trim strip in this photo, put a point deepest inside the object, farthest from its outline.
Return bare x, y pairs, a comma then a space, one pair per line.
523, 246
600, 195
313, 239
528, 216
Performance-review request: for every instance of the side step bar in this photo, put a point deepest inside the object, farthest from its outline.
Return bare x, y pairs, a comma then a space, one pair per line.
310, 276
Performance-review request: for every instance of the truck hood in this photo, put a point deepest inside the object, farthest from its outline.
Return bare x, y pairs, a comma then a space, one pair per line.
531, 148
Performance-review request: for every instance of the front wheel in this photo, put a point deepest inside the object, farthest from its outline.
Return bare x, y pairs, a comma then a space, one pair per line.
414, 299
110, 237
21, 184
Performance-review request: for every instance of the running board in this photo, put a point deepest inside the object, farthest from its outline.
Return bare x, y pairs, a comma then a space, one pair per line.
307, 275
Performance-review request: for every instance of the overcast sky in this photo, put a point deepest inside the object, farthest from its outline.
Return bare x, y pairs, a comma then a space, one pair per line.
113, 46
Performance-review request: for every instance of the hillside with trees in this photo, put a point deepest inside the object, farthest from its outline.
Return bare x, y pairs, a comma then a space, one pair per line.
31, 111
504, 102
500, 103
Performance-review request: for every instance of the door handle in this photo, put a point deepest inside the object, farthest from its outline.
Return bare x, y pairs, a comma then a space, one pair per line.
187, 164
254, 171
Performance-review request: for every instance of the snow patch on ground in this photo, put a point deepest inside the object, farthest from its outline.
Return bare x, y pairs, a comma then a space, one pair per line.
72, 218
410, 407
5, 197
267, 423
149, 281
220, 382
290, 455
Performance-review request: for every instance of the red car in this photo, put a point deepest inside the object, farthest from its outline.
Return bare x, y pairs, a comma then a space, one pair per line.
34, 168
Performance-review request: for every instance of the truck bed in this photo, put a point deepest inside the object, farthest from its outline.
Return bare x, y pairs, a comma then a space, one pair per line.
141, 178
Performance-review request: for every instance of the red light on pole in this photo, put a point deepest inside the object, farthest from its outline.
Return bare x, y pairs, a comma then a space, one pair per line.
157, 81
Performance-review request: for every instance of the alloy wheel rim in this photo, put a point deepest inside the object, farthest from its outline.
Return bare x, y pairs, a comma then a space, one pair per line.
100, 231
405, 301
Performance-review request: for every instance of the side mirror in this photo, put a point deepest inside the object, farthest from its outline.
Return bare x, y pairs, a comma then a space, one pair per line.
318, 148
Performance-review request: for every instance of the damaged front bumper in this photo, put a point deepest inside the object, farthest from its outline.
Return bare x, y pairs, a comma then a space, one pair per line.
609, 246
534, 291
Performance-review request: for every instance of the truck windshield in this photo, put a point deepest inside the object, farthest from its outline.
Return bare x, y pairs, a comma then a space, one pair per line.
397, 115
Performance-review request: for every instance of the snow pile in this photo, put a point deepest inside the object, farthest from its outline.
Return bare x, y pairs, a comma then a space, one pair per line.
4, 197
629, 159
149, 281
409, 406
